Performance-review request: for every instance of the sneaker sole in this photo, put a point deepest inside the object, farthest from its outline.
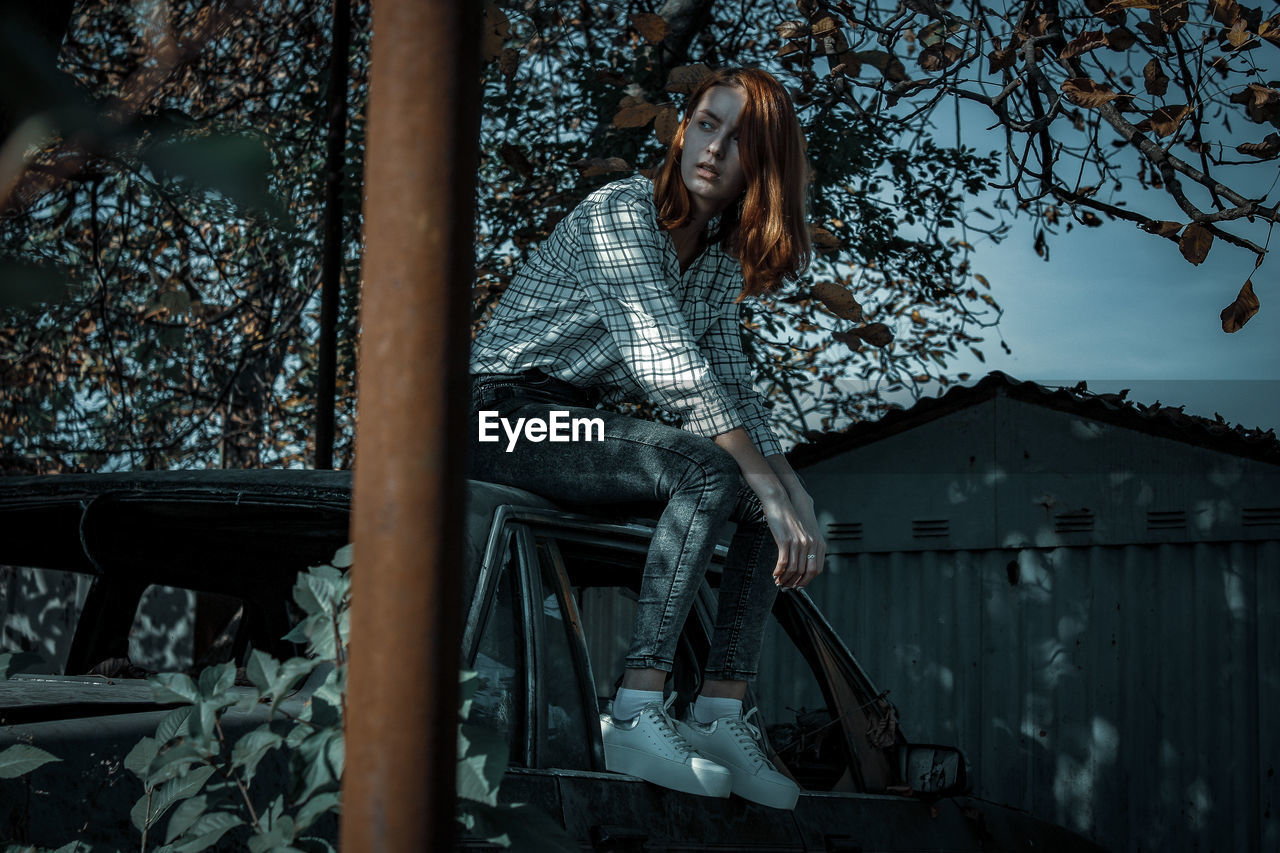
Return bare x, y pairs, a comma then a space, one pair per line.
706, 779
765, 793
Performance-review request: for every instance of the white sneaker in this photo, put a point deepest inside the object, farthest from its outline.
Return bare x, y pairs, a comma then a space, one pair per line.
735, 743
650, 747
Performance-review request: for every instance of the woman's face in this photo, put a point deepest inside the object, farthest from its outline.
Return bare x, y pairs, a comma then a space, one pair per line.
709, 164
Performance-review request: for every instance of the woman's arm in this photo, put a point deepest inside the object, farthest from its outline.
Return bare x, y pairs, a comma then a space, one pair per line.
788, 509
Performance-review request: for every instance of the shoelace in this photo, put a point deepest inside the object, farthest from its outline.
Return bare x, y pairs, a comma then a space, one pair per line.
669, 732
748, 735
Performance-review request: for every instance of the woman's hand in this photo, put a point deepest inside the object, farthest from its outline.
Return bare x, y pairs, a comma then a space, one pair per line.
788, 510
795, 529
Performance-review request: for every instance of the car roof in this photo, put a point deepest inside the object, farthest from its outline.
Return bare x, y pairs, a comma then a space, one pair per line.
74, 522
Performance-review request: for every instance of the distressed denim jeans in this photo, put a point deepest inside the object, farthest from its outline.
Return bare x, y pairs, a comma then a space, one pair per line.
638, 460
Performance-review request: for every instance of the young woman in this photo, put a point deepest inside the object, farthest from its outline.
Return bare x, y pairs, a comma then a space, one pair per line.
635, 295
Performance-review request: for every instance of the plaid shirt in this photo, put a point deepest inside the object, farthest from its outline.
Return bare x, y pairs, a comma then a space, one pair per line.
603, 304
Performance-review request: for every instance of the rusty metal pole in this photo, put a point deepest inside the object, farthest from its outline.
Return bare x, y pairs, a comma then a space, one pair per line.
402, 702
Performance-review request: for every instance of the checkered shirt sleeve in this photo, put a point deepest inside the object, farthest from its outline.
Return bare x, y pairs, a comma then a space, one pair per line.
722, 344
622, 260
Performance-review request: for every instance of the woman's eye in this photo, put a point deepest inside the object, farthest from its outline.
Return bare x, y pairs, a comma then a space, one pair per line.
704, 124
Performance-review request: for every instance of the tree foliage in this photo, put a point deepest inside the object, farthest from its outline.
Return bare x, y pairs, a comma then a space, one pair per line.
161, 247
183, 220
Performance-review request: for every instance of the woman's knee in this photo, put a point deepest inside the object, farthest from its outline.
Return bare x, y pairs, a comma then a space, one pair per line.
711, 468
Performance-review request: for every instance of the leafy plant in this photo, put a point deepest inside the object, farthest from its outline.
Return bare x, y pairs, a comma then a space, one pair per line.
198, 773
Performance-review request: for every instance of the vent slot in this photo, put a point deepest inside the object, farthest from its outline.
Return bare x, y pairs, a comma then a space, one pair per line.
931, 528
1260, 516
1167, 519
1079, 521
844, 531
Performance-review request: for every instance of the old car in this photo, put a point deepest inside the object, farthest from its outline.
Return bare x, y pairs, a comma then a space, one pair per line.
549, 592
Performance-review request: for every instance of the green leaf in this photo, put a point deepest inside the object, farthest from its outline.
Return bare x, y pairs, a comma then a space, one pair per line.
252, 748
315, 759
305, 596
172, 724
173, 687
138, 761
215, 681
22, 758
342, 559
173, 761
276, 839
262, 670
314, 808
208, 830
152, 806
291, 672
184, 816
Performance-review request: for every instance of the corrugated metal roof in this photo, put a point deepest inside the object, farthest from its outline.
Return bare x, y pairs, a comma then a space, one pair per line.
1155, 419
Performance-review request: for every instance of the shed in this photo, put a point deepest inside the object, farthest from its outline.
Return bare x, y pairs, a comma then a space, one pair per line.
1081, 592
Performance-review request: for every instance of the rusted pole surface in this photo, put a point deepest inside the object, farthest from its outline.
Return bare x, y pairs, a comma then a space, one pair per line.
398, 788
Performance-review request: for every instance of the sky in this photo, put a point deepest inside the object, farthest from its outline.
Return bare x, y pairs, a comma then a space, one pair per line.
1120, 308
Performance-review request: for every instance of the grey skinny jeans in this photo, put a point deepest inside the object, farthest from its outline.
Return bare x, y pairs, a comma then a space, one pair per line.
639, 460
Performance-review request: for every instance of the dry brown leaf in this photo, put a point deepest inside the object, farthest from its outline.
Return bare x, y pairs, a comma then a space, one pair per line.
1157, 82
1174, 14
825, 27
792, 29
1262, 103
886, 63
838, 300
634, 112
1257, 95
666, 124
1154, 32
1089, 40
1001, 58
1239, 33
824, 239
1090, 218
924, 7
1165, 121
600, 166
939, 56
1121, 39
876, 334
849, 339
1195, 243
1270, 30
1267, 149
515, 157
509, 63
1098, 7
918, 318
850, 63
1225, 12
1120, 5
1235, 315
685, 78
1084, 92
650, 26
1161, 228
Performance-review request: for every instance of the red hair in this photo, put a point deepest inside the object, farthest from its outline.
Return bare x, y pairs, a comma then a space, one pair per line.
768, 231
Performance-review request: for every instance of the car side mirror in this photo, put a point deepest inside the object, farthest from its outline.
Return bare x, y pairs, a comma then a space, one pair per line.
932, 770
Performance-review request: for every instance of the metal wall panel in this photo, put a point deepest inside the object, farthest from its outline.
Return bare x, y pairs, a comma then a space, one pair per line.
1126, 692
